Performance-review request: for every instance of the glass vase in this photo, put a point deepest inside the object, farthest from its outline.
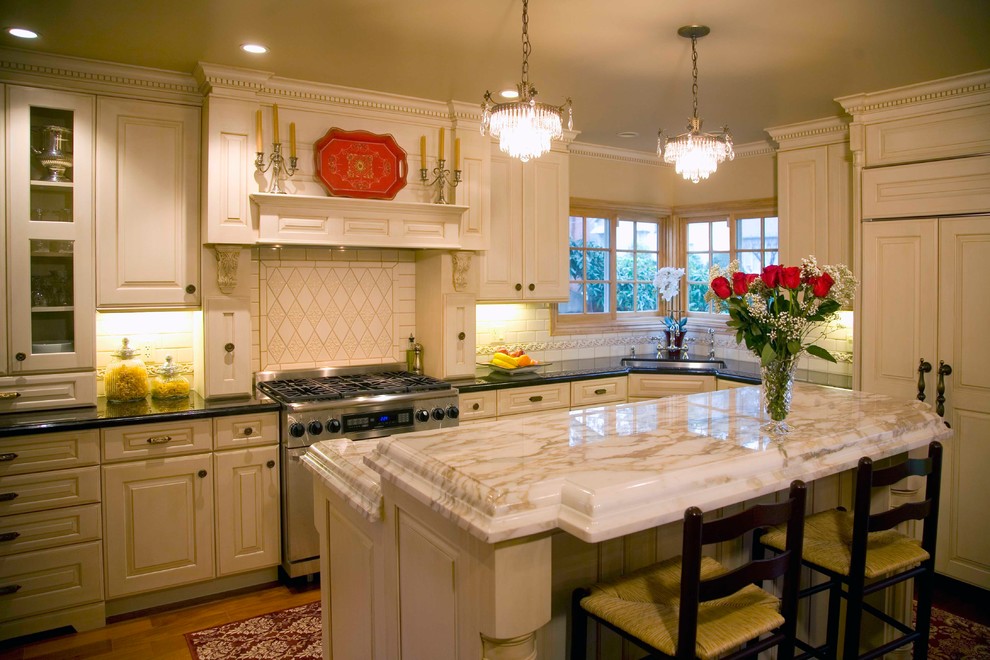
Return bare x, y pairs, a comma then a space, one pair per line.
778, 387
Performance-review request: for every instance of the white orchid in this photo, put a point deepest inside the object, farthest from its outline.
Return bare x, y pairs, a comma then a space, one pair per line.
668, 282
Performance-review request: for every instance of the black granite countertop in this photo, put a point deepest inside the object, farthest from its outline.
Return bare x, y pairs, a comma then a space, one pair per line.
106, 414
571, 370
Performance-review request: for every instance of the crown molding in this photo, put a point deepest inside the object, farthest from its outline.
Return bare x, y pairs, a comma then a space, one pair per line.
955, 91
817, 132
95, 76
618, 154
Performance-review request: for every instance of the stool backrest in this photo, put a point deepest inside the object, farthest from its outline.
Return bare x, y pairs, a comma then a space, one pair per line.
788, 564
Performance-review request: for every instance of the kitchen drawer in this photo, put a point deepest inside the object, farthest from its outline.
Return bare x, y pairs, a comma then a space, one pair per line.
127, 443
21, 493
652, 386
598, 392
49, 529
50, 451
52, 579
245, 430
477, 405
45, 391
517, 400
723, 384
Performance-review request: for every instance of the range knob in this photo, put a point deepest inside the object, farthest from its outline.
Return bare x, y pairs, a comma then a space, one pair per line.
453, 412
438, 414
333, 426
315, 428
297, 430
422, 415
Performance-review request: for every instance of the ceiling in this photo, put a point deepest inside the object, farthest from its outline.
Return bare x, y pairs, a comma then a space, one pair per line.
766, 62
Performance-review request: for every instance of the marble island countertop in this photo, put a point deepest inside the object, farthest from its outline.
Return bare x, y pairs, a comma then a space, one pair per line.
600, 473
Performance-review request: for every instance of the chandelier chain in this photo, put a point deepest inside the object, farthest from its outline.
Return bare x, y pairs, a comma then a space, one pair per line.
527, 48
694, 73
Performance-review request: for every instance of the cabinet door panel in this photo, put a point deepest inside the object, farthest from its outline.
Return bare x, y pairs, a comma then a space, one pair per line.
159, 523
459, 321
227, 345
545, 239
247, 509
147, 204
501, 264
899, 305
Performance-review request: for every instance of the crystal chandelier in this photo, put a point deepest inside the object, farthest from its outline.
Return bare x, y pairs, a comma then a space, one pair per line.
524, 127
695, 155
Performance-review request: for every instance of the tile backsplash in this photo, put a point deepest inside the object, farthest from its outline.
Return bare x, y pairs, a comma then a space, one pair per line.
319, 307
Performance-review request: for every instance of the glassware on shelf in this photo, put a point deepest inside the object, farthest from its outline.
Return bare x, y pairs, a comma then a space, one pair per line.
126, 378
169, 383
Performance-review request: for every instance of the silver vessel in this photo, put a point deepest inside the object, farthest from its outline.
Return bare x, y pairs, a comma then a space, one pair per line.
53, 156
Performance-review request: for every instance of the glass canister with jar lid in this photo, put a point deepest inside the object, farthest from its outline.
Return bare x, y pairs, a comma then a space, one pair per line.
169, 383
126, 378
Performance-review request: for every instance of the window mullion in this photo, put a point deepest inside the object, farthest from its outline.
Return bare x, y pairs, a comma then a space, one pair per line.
612, 259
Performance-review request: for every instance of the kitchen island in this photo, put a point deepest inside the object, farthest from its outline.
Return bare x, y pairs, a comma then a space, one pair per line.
466, 542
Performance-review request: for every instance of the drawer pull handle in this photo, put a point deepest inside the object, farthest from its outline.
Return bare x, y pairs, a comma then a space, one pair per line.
476, 406
536, 399
6, 396
9, 536
270, 464
6, 497
8, 589
201, 474
6, 458
601, 390
159, 439
248, 431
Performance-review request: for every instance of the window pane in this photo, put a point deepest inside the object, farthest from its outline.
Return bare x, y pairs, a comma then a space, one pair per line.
576, 231
624, 264
720, 236
623, 297
597, 298
720, 259
749, 262
698, 267
646, 236
770, 236
772, 258
748, 234
575, 304
597, 232
646, 298
577, 264
696, 298
625, 235
646, 266
597, 265
697, 240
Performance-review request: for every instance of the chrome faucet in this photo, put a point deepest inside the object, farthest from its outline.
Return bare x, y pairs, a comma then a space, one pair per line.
711, 343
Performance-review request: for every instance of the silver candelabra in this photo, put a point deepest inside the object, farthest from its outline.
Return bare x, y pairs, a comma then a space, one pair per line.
441, 179
277, 165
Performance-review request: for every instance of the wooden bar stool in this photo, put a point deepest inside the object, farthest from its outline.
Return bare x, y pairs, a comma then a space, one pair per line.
860, 553
691, 606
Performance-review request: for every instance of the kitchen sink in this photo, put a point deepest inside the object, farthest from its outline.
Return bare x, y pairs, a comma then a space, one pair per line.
661, 364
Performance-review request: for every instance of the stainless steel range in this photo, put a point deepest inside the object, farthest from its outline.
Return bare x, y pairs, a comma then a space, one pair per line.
357, 403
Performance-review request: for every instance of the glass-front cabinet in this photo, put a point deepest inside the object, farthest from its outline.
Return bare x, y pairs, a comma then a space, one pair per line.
50, 319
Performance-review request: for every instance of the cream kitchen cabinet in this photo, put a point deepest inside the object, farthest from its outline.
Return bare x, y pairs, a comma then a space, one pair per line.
653, 386
528, 254
923, 305
51, 554
49, 225
147, 204
227, 345
598, 391
477, 405
516, 400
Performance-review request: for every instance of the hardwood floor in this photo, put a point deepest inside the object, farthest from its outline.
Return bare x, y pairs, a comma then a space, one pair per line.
159, 635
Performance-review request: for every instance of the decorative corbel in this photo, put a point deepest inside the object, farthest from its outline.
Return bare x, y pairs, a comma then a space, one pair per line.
227, 258
462, 265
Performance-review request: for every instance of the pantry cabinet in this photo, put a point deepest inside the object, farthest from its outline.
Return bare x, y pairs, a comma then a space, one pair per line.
528, 252
147, 204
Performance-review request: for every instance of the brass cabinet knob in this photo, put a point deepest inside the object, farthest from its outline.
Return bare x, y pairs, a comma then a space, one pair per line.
270, 464
248, 431
476, 406
461, 336
20, 357
532, 287
518, 287
201, 474
229, 347
191, 288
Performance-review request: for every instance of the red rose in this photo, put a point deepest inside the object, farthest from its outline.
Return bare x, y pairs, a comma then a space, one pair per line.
721, 287
790, 277
740, 283
822, 285
771, 276
750, 278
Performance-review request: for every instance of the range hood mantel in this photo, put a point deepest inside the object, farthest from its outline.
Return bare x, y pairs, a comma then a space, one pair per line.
349, 222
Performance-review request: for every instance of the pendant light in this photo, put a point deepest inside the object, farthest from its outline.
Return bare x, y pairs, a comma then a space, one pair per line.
524, 127
695, 155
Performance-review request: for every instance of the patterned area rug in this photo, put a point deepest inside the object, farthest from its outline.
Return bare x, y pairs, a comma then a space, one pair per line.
292, 634
955, 638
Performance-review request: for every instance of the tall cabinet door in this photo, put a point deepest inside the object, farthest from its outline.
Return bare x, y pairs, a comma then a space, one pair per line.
501, 263
147, 204
899, 305
545, 237
964, 316
49, 225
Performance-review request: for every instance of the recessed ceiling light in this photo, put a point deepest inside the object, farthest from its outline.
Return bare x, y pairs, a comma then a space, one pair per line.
22, 33
254, 48
509, 94
628, 134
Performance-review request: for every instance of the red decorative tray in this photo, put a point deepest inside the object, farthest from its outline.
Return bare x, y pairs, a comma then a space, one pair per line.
360, 164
